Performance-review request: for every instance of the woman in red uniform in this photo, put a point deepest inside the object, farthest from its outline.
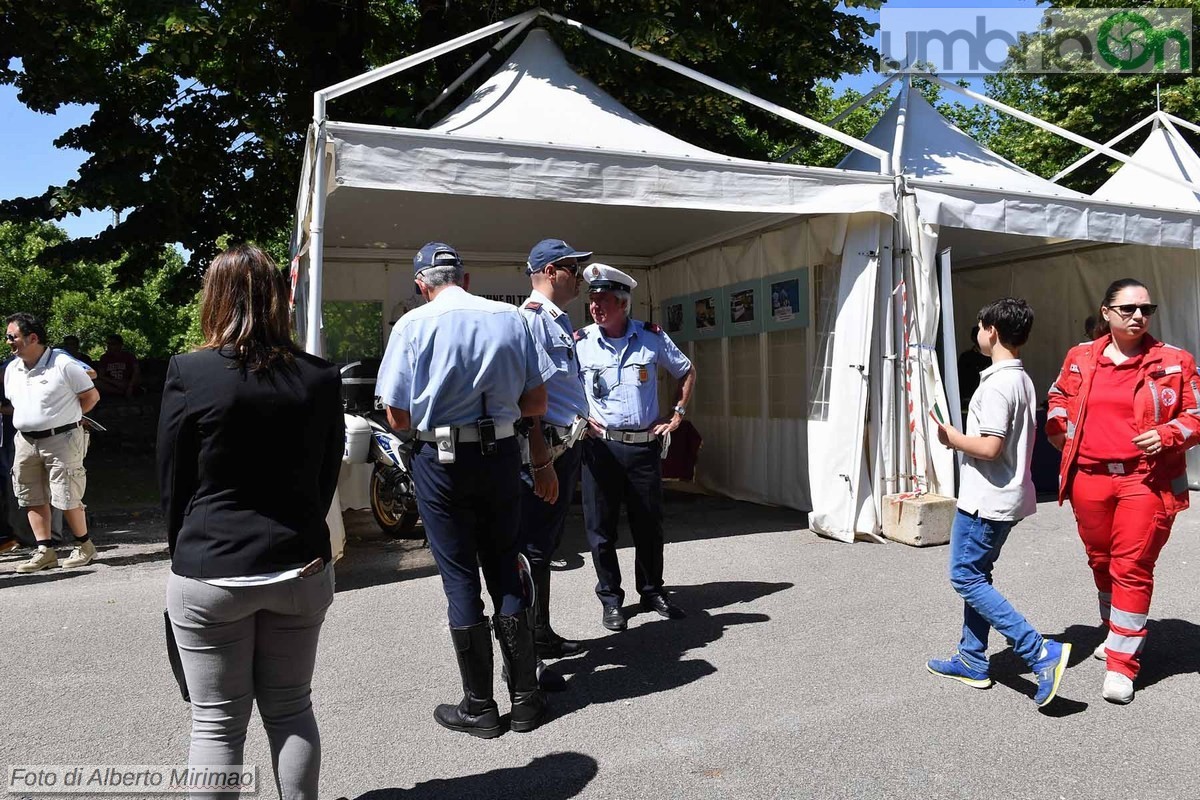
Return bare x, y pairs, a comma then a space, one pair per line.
1123, 410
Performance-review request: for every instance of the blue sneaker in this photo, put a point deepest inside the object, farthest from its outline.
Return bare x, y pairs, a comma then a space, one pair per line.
1049, 670
954, 667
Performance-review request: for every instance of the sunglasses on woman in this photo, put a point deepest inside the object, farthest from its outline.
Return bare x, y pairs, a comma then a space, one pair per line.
1127, 309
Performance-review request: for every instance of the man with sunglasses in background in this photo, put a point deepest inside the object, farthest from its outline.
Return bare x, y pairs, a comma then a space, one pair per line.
619, 359
555, 448
49, 392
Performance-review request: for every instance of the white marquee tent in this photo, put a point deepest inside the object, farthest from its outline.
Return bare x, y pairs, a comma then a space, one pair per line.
683, 219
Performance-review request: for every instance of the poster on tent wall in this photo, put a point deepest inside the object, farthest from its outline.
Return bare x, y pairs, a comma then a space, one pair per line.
743, 308
674, 321
785, 300
707, 319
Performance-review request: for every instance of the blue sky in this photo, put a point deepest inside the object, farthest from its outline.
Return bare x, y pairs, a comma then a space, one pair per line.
34, 163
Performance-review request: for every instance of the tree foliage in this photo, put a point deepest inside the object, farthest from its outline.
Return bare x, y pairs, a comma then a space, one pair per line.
201, 108
84, 298
1096, 104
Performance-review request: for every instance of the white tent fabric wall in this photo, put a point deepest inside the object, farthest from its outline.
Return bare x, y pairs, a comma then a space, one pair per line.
840, 465
1066, 288
751, 398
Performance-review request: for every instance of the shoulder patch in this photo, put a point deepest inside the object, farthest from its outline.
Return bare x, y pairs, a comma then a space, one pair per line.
650, 326
533, 305
579, 334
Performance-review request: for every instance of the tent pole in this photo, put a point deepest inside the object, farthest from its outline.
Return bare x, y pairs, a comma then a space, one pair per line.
379, 73
316, 244
1189, 125
1049, 126
471, 70
857, 104
866, 98
898, 140
1094, 154
732, 91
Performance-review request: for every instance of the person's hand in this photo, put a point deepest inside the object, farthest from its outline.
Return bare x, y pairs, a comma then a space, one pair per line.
545, 483
665, 426
945, 434
1058, 441
595, 429
1149, 442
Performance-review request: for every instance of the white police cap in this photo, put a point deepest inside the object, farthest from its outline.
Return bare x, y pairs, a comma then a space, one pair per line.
603, 278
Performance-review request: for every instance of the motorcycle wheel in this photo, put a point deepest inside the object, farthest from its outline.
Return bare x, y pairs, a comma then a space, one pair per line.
396, 521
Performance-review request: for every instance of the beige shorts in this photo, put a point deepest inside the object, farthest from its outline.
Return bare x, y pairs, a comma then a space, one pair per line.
53, 465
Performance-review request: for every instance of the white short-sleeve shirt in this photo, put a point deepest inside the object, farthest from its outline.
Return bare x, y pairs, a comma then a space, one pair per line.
1003, 405
45, 395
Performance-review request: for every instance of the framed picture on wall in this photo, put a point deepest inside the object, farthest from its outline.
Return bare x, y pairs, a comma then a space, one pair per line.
743, 308
785, 296
674, 320
707, 316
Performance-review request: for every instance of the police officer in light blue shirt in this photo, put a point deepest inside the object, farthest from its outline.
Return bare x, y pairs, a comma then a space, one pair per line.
619, 359
460, 371
548, 481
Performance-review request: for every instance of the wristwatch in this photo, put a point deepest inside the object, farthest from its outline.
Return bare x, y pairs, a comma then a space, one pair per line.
681, 411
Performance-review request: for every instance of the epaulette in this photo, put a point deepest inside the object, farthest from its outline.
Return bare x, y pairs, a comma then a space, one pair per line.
650, 326
533, 305
579, 335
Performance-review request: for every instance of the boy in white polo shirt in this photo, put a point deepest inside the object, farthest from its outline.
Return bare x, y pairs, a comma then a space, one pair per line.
995, 493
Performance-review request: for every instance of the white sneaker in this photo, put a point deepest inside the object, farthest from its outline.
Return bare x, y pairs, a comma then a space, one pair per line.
1099, 653
1118, 688
81, 556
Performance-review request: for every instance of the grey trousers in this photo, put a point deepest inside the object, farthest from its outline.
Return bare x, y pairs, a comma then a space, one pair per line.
247, 644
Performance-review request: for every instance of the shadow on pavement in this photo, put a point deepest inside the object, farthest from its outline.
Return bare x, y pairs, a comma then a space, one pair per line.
1008, 670
9, 580
650, 657
1172, 648
556, 776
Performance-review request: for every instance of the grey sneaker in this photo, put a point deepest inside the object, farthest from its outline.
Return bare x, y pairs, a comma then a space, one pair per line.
1099, 653
81, 556
40, 561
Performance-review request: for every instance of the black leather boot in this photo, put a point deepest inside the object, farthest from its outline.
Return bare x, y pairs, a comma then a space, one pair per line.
476, 714
549, 644
520, 661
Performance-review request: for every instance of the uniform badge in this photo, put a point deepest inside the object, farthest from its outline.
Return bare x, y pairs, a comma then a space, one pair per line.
1169, 397
643, 374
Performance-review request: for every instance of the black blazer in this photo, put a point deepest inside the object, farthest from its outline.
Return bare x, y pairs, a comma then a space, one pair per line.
247, 465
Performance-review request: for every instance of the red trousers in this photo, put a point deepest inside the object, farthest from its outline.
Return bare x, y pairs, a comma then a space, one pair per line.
1123, 524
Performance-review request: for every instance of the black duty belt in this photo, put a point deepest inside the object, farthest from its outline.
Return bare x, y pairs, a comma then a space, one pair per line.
50, 432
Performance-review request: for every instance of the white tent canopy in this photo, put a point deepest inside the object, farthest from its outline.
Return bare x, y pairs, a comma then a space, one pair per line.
537, 150
1166, 151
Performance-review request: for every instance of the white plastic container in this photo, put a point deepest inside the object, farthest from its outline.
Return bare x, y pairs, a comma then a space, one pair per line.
358, 440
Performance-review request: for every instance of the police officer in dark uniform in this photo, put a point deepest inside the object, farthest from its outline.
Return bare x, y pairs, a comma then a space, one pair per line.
460, 371
619, 359
548, 480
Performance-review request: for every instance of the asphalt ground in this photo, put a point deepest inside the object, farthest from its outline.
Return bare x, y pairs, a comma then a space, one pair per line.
798, 673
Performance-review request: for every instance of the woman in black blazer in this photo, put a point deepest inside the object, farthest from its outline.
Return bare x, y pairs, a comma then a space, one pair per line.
249, 445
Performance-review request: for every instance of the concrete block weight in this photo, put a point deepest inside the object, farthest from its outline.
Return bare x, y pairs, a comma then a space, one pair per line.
920, 521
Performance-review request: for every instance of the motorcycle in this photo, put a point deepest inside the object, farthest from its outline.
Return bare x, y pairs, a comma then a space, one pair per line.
393, 498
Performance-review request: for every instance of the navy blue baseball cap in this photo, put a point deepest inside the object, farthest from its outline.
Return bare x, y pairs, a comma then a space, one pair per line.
436, 254
547, 251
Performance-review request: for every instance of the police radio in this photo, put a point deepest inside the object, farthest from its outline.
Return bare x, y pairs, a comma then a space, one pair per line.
487, 431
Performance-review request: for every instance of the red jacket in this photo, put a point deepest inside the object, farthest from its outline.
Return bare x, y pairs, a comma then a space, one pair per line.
1167, 399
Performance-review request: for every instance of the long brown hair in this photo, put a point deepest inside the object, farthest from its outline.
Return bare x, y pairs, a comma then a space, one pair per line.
244, 309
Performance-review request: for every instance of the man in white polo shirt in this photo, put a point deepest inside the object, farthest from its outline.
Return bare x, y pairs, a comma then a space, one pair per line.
49, 392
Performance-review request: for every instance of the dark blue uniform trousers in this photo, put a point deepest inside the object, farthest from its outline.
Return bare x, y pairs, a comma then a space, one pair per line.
613, 473
542, 523
471, 511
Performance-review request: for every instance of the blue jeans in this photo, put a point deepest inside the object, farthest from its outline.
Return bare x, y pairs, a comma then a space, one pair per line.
974, 547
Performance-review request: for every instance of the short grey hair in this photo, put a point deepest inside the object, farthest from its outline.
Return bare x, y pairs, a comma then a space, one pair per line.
624, 298
433, 277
